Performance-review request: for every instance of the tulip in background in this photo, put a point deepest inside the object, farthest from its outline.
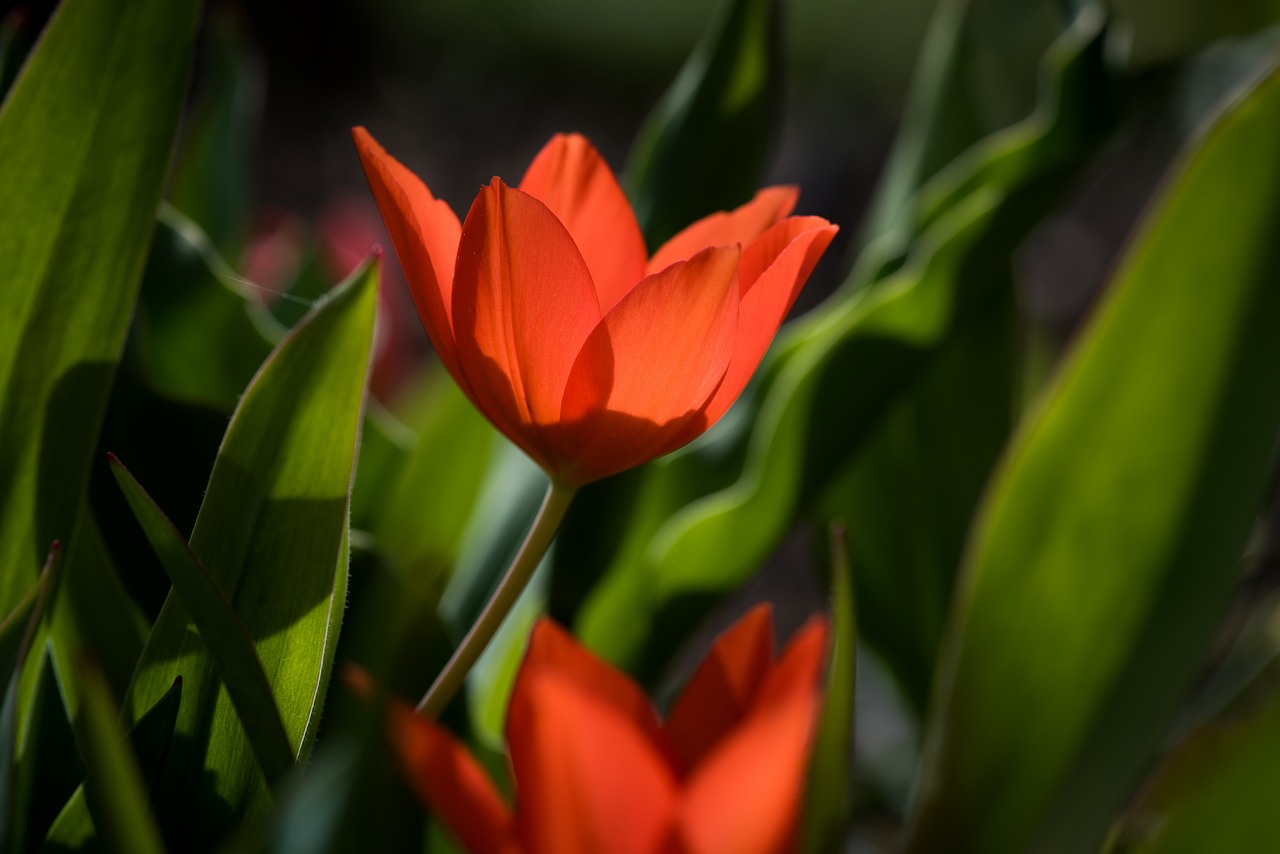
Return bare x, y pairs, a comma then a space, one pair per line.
596, 771
585, 351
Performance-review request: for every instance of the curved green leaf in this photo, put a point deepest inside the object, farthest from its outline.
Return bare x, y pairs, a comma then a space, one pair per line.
200, 339
228, 642
272, 533
422, 507
85, 136
1103, 557
834, 373
212, 173
1215, 792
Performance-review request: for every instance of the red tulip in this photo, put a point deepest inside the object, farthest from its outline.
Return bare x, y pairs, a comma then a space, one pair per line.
547, 311
596, 771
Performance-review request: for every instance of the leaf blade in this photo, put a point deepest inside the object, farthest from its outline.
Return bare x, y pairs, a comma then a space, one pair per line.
91, 118
228, 641
1120, 505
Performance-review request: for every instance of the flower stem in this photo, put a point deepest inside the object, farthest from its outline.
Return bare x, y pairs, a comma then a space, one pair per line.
513, 583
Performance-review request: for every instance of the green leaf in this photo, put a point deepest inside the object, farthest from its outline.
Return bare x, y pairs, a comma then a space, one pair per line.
703, 147
15, 42
1103, 558
212, 172
17, 629
116, 791
49, 764
200, 337
226, 638
94, 611
835, 373
827, 801
413, 527
1214, 792
150, 740
910, 492
85, 136
272, 533
17, 632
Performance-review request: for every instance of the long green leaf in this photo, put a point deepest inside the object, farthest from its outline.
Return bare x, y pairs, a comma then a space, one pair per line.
150, 740
16, 635
910, 491
229, 643
1215, 792
1104, 555
213, 170
117, 794
200, 338
827, 800
703, 147
50, 768
418, 532
94, 611
85, 136
272, 533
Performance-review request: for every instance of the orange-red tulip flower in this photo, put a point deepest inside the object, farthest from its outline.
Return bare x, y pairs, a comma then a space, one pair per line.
596, 771
547, 310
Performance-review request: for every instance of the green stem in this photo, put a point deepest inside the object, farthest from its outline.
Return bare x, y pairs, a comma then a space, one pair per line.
513, 583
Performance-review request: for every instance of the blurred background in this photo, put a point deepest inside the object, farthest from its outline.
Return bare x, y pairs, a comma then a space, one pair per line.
460, 91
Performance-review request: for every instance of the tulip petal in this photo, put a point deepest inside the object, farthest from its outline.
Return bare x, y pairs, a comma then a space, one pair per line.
744, 797
645, 372
425, 232
523, 304
553, 650
571, 178
741, 225
773, 270
446, 778
721, 690
799, 669
587, 779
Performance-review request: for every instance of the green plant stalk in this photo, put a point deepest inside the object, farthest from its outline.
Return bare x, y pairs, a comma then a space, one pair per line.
513, 583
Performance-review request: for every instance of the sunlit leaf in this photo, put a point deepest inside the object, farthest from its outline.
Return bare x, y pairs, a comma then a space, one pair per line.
226, 638
272, 533
85, 135
1104, 555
